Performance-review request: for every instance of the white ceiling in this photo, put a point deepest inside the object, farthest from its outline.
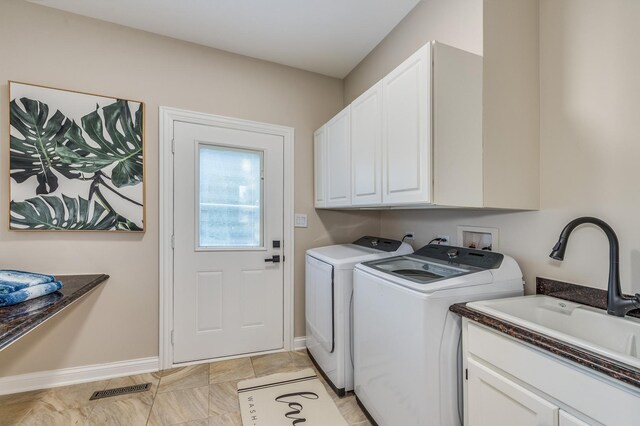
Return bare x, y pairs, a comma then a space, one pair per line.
326, 36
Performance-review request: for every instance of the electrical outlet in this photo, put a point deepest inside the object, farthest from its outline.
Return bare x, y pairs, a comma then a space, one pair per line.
409, 235
444, 239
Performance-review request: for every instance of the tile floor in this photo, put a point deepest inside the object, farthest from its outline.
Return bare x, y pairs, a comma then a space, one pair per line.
199, 395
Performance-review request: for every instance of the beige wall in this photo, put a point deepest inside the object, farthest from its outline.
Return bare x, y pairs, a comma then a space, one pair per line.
589, 137
120, 320
454, 22
589, 143
511, 103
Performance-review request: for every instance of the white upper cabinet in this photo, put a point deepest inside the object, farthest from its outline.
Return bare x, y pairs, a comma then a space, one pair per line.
319, 167
406, 131
338, 160
366, 148
412, 140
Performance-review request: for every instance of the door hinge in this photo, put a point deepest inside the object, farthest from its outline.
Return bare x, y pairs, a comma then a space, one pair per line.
466, 374
173, 146
172, 333
173, 242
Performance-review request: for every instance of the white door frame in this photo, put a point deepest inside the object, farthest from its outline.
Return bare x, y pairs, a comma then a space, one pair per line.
167, 118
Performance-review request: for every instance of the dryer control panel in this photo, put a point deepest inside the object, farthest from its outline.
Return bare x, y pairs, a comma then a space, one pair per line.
382, 244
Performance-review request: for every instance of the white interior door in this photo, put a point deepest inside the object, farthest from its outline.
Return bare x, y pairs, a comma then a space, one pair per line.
228, 229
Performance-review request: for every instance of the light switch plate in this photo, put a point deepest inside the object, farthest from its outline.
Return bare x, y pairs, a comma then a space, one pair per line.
300, 220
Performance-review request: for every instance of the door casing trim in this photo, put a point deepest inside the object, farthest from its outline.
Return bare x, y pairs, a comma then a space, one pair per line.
167, 117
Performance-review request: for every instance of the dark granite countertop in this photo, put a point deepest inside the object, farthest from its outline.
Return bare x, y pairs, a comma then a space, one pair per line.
18, 320
573, 293
589, 296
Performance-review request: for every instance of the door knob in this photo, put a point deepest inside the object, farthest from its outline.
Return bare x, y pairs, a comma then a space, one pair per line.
275, 259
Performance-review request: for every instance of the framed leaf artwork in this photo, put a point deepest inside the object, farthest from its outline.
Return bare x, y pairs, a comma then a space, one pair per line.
76, 161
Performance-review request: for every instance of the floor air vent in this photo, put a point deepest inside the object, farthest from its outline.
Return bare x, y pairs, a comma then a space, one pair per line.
120, 391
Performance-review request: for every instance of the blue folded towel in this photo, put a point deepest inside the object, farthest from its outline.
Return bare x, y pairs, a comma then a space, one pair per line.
11, 281
28, 293
6, 289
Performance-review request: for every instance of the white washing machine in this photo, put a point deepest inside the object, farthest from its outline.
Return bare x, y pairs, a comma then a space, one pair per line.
407, 344
328, 291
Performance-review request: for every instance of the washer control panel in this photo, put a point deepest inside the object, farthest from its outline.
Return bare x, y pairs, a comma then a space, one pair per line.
382, 244
462, 256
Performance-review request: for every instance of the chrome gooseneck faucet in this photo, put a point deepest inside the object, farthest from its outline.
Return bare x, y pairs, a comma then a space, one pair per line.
617, 303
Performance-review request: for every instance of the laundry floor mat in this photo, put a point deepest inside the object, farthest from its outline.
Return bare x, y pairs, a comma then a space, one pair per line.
287, 399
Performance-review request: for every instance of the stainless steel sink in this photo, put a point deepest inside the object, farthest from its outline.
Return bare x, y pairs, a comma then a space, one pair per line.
579, 325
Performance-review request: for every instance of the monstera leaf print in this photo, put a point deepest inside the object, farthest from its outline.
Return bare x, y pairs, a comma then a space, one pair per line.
76, 161
34, 154
54, 213
124, 224
121, 145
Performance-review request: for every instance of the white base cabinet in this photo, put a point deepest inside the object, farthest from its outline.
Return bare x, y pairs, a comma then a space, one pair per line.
496, 400
511, 383
567, 419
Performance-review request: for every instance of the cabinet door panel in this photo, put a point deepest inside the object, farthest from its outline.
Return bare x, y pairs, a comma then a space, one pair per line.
495, 400
319, 167
406, 131
338, 178
596, 396
567, 419
366, 140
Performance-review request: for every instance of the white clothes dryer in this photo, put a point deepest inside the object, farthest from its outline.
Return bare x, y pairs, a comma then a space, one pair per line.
328, 298
407, 344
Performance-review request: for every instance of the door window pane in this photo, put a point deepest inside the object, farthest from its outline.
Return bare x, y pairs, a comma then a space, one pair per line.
230, 197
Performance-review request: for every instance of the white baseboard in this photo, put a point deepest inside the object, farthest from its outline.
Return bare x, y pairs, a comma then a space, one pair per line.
299, 343
71, 376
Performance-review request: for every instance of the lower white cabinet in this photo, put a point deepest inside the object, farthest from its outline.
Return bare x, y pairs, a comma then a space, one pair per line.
494, 400
567, 419
512, 383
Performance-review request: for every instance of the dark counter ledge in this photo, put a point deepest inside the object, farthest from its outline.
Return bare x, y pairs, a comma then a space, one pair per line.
607, 366
18, 320
589, 296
